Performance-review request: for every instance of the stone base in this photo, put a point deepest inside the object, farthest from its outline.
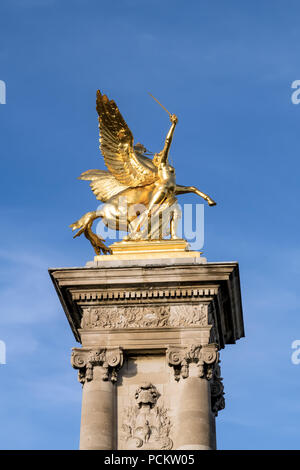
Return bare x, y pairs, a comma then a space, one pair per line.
150, 337
149, 249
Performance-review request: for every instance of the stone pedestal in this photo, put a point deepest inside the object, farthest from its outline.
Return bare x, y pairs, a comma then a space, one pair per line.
151, 331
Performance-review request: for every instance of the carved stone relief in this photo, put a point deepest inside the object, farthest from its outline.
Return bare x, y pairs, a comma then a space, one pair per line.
145, 424
140, 316
186, 315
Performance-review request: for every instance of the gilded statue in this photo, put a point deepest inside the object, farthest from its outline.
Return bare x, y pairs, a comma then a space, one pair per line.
136, 190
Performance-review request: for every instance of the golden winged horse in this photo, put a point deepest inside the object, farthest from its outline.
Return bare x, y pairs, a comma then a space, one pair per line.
135, 189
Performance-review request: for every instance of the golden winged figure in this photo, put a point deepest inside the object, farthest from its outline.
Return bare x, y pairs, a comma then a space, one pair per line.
136, 190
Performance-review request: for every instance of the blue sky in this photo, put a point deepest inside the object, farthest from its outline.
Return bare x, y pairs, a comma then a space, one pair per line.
226, 69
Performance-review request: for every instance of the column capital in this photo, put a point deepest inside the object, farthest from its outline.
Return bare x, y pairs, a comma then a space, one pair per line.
204, 356
84, 359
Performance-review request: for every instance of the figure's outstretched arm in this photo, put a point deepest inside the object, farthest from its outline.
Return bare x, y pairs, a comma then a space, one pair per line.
165, 152
191, 189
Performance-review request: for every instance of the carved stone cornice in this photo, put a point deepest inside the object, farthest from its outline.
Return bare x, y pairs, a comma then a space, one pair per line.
84, 359
205, 357
134, 294
139, 316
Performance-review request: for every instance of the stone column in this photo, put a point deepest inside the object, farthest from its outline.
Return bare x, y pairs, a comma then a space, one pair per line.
196, 370
98, 374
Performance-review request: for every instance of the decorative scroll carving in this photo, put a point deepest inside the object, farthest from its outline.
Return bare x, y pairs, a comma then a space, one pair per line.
145, 424
83, 359
217, 392
156, 316
205, 357
125, 317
